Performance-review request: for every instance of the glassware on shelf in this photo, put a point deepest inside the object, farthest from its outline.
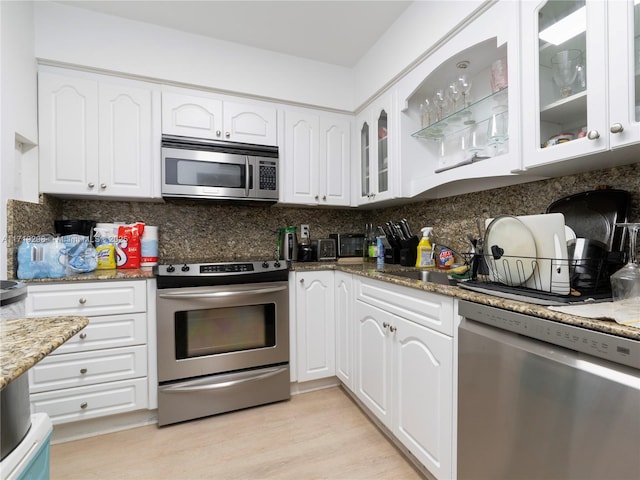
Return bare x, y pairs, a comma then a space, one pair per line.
464, 85
497, 132
625, 283
454, 94
439, 103
499, 75
477, 140
565, 67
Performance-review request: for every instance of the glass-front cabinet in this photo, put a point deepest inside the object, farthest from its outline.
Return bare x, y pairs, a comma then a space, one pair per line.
376, 156
581, 95
460, 114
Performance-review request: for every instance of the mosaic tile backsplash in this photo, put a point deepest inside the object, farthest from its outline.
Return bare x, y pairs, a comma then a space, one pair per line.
191, 230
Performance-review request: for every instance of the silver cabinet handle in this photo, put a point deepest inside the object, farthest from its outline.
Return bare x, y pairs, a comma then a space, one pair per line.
392, 328
82, 301
593, 135
84, 405
317, 197
617, 128
302, 280
83, 371
83, 335
91, 184
218, 133
324, 197
385, 325
103, 186
227, 134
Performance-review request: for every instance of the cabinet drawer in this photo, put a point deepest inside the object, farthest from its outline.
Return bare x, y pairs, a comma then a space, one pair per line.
82, 403
88, 368
108, 332
425, 308
103, 298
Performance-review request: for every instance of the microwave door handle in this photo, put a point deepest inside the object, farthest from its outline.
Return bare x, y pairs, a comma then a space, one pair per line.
246, 176
234, 293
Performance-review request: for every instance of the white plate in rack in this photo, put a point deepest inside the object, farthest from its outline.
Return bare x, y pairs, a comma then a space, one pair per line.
551, 272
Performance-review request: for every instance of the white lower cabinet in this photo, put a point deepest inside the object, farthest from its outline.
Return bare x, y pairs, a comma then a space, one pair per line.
314, 310
343, 300
404, 368
103, 369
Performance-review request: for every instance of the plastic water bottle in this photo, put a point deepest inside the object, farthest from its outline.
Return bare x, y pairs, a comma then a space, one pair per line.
380, 253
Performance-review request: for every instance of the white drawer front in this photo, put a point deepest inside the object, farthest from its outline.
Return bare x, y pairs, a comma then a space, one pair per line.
96, 298
425, 308
108, 332
82, 403
88, 368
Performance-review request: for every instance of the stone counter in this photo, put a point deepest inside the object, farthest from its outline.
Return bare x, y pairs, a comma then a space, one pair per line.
97, 275
369, 270
26, 341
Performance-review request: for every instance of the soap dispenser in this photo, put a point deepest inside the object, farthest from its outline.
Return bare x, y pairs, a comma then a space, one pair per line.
424, 254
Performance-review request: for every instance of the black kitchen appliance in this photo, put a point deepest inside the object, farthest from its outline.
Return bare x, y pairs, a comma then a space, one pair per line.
71, 227
348, 244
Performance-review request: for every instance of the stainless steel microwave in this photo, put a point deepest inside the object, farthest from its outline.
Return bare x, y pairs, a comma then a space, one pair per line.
216, 170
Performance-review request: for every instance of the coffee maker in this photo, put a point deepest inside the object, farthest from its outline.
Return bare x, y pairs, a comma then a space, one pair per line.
288, 244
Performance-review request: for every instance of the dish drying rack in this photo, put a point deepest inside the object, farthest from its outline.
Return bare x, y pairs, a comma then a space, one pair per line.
522, 275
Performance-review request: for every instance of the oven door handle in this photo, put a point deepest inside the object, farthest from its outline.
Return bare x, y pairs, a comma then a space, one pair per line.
199, 385
232, 293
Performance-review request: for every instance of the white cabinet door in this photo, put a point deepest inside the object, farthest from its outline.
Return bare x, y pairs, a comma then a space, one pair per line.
316, 158
373, 364
344, 314
423, 395
335, 160
377, 155
624, 65
248, 123
207, 116
98, 135
191, 115
68, 125
127, 141
299, 160
315, 325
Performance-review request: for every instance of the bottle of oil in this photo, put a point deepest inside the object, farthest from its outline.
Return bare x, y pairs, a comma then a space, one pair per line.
424, 254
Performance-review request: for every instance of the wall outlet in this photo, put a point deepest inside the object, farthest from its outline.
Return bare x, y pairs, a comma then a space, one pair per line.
304, 231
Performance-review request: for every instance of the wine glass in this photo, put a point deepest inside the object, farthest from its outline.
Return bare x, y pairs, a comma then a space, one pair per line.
455, 93
464, 85
564, 65
439, 102
625, 283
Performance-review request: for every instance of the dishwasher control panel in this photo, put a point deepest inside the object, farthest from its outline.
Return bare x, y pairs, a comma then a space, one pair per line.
620, 350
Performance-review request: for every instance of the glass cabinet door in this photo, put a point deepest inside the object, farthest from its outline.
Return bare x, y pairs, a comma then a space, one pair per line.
383, 156
636, 58
365, 181
562, 85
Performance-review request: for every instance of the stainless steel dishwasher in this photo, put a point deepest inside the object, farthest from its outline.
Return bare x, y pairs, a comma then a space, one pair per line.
539, 399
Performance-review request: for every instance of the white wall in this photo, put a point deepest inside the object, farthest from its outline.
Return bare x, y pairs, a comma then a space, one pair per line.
18, 114
81, 37
421, 25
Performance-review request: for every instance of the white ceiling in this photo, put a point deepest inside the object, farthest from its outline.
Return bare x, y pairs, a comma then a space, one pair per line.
331, 31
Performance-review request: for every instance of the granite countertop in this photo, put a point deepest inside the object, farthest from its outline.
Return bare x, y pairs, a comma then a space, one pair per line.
110, 274
369, 270
26, 341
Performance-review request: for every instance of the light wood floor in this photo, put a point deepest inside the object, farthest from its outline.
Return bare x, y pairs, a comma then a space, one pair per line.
315, 435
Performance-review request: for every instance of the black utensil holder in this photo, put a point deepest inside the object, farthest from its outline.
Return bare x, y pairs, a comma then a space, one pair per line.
409, 251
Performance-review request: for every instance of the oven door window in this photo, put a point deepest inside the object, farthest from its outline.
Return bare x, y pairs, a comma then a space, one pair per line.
224, 330
206, 174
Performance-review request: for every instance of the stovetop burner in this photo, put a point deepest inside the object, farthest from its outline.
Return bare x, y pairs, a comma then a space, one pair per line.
192, 273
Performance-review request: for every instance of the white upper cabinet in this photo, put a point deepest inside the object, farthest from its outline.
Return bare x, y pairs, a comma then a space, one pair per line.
581, 96
99, 136
377, 156
460, 115
315, 158
198, 114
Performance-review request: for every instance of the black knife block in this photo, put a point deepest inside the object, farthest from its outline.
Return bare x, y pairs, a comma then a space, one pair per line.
409, 251
392, 255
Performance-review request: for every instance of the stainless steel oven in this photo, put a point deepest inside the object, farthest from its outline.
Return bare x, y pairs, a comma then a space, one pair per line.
223, 337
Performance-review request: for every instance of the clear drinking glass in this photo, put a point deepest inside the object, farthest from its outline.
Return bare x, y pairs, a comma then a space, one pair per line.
565, 66
625, 283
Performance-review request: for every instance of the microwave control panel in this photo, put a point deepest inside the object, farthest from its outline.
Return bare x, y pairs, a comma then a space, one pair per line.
267, 175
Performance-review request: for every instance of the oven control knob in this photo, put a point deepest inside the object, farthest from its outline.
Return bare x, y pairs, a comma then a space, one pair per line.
277, 264
185, 268
265, 264
171, 269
